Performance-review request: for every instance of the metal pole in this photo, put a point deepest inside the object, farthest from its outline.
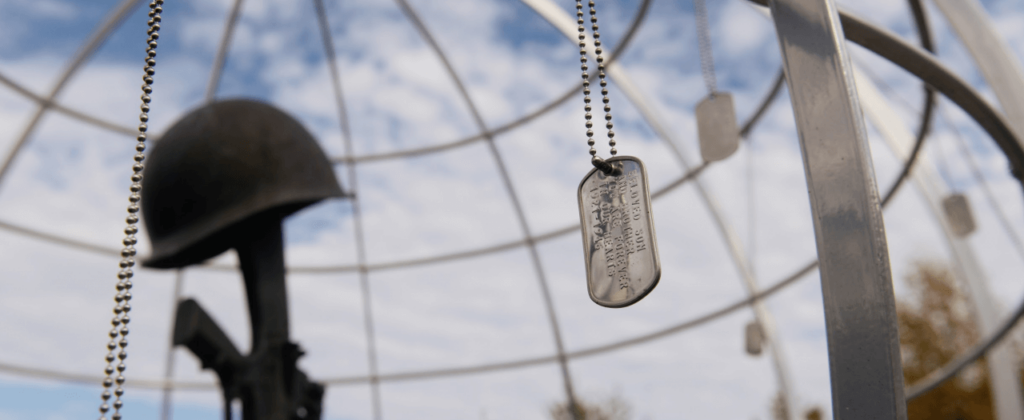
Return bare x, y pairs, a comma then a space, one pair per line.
856, 282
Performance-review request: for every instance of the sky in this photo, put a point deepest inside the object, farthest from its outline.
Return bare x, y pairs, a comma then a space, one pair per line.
71, 181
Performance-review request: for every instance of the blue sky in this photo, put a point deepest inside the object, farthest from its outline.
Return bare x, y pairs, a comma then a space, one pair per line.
71, 181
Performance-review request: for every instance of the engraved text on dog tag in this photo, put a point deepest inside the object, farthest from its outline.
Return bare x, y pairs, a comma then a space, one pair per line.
618, 234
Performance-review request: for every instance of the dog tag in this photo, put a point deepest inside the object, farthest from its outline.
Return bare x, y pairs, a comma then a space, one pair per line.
618, 234
754, 338
716, 127
958, 213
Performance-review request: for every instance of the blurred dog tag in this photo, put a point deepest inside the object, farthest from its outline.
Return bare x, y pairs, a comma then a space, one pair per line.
618, 234
716, 127
754, 338
958, 212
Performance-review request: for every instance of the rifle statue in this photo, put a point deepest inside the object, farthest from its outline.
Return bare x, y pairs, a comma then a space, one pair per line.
222, 177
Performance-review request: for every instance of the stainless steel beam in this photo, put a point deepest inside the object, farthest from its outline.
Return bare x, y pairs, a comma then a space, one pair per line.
860, 309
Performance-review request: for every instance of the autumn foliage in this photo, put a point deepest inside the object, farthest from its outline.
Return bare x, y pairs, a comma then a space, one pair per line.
936, 325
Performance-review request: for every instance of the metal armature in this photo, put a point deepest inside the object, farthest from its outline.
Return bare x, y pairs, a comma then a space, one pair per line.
857, 31
549, 304
856, 281
966, 266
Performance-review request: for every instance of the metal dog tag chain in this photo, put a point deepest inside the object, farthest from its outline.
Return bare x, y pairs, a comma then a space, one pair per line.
124, 284
619, 247
716, 115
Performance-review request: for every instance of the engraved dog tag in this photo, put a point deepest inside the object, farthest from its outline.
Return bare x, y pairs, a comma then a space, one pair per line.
618, 234
958, 212
716, 127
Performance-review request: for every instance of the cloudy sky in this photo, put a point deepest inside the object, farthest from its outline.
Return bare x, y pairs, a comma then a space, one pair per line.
71, 179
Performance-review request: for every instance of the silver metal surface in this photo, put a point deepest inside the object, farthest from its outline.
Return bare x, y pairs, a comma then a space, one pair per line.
753, 338
958, 213
716, 127
619, 246
860, 310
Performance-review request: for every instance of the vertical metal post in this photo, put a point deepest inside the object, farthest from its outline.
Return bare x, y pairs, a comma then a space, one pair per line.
856, 282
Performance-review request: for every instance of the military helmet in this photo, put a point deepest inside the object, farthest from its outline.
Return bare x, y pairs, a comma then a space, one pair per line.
224, 163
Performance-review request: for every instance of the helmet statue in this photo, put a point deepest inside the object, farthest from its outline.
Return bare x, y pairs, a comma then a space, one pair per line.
223, 164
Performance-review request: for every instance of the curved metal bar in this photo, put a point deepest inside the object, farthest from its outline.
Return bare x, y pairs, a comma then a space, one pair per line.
950, 369
769, 99
81, 116
966, 267
931, 71
558, 18
90, 46
689, 176
494, 366
488, 367
549, 304
925, 34
220, 59
620, 49
992, 55
357, 218
222, 51
113, 252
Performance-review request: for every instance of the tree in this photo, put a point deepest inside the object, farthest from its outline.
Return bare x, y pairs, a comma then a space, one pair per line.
611, 408
936, 325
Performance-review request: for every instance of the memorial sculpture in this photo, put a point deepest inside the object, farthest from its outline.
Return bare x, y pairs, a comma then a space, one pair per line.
223, 177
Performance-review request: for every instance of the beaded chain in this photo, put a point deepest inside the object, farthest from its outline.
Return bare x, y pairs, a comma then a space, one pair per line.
124, 284
707, 63
597, 161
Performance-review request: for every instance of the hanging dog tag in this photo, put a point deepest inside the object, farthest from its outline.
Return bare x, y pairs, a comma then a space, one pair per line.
754, 338
958, 213
716, 127
618, 234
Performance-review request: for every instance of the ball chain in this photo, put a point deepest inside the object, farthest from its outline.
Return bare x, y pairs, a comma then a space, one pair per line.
124, 285
586, 80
